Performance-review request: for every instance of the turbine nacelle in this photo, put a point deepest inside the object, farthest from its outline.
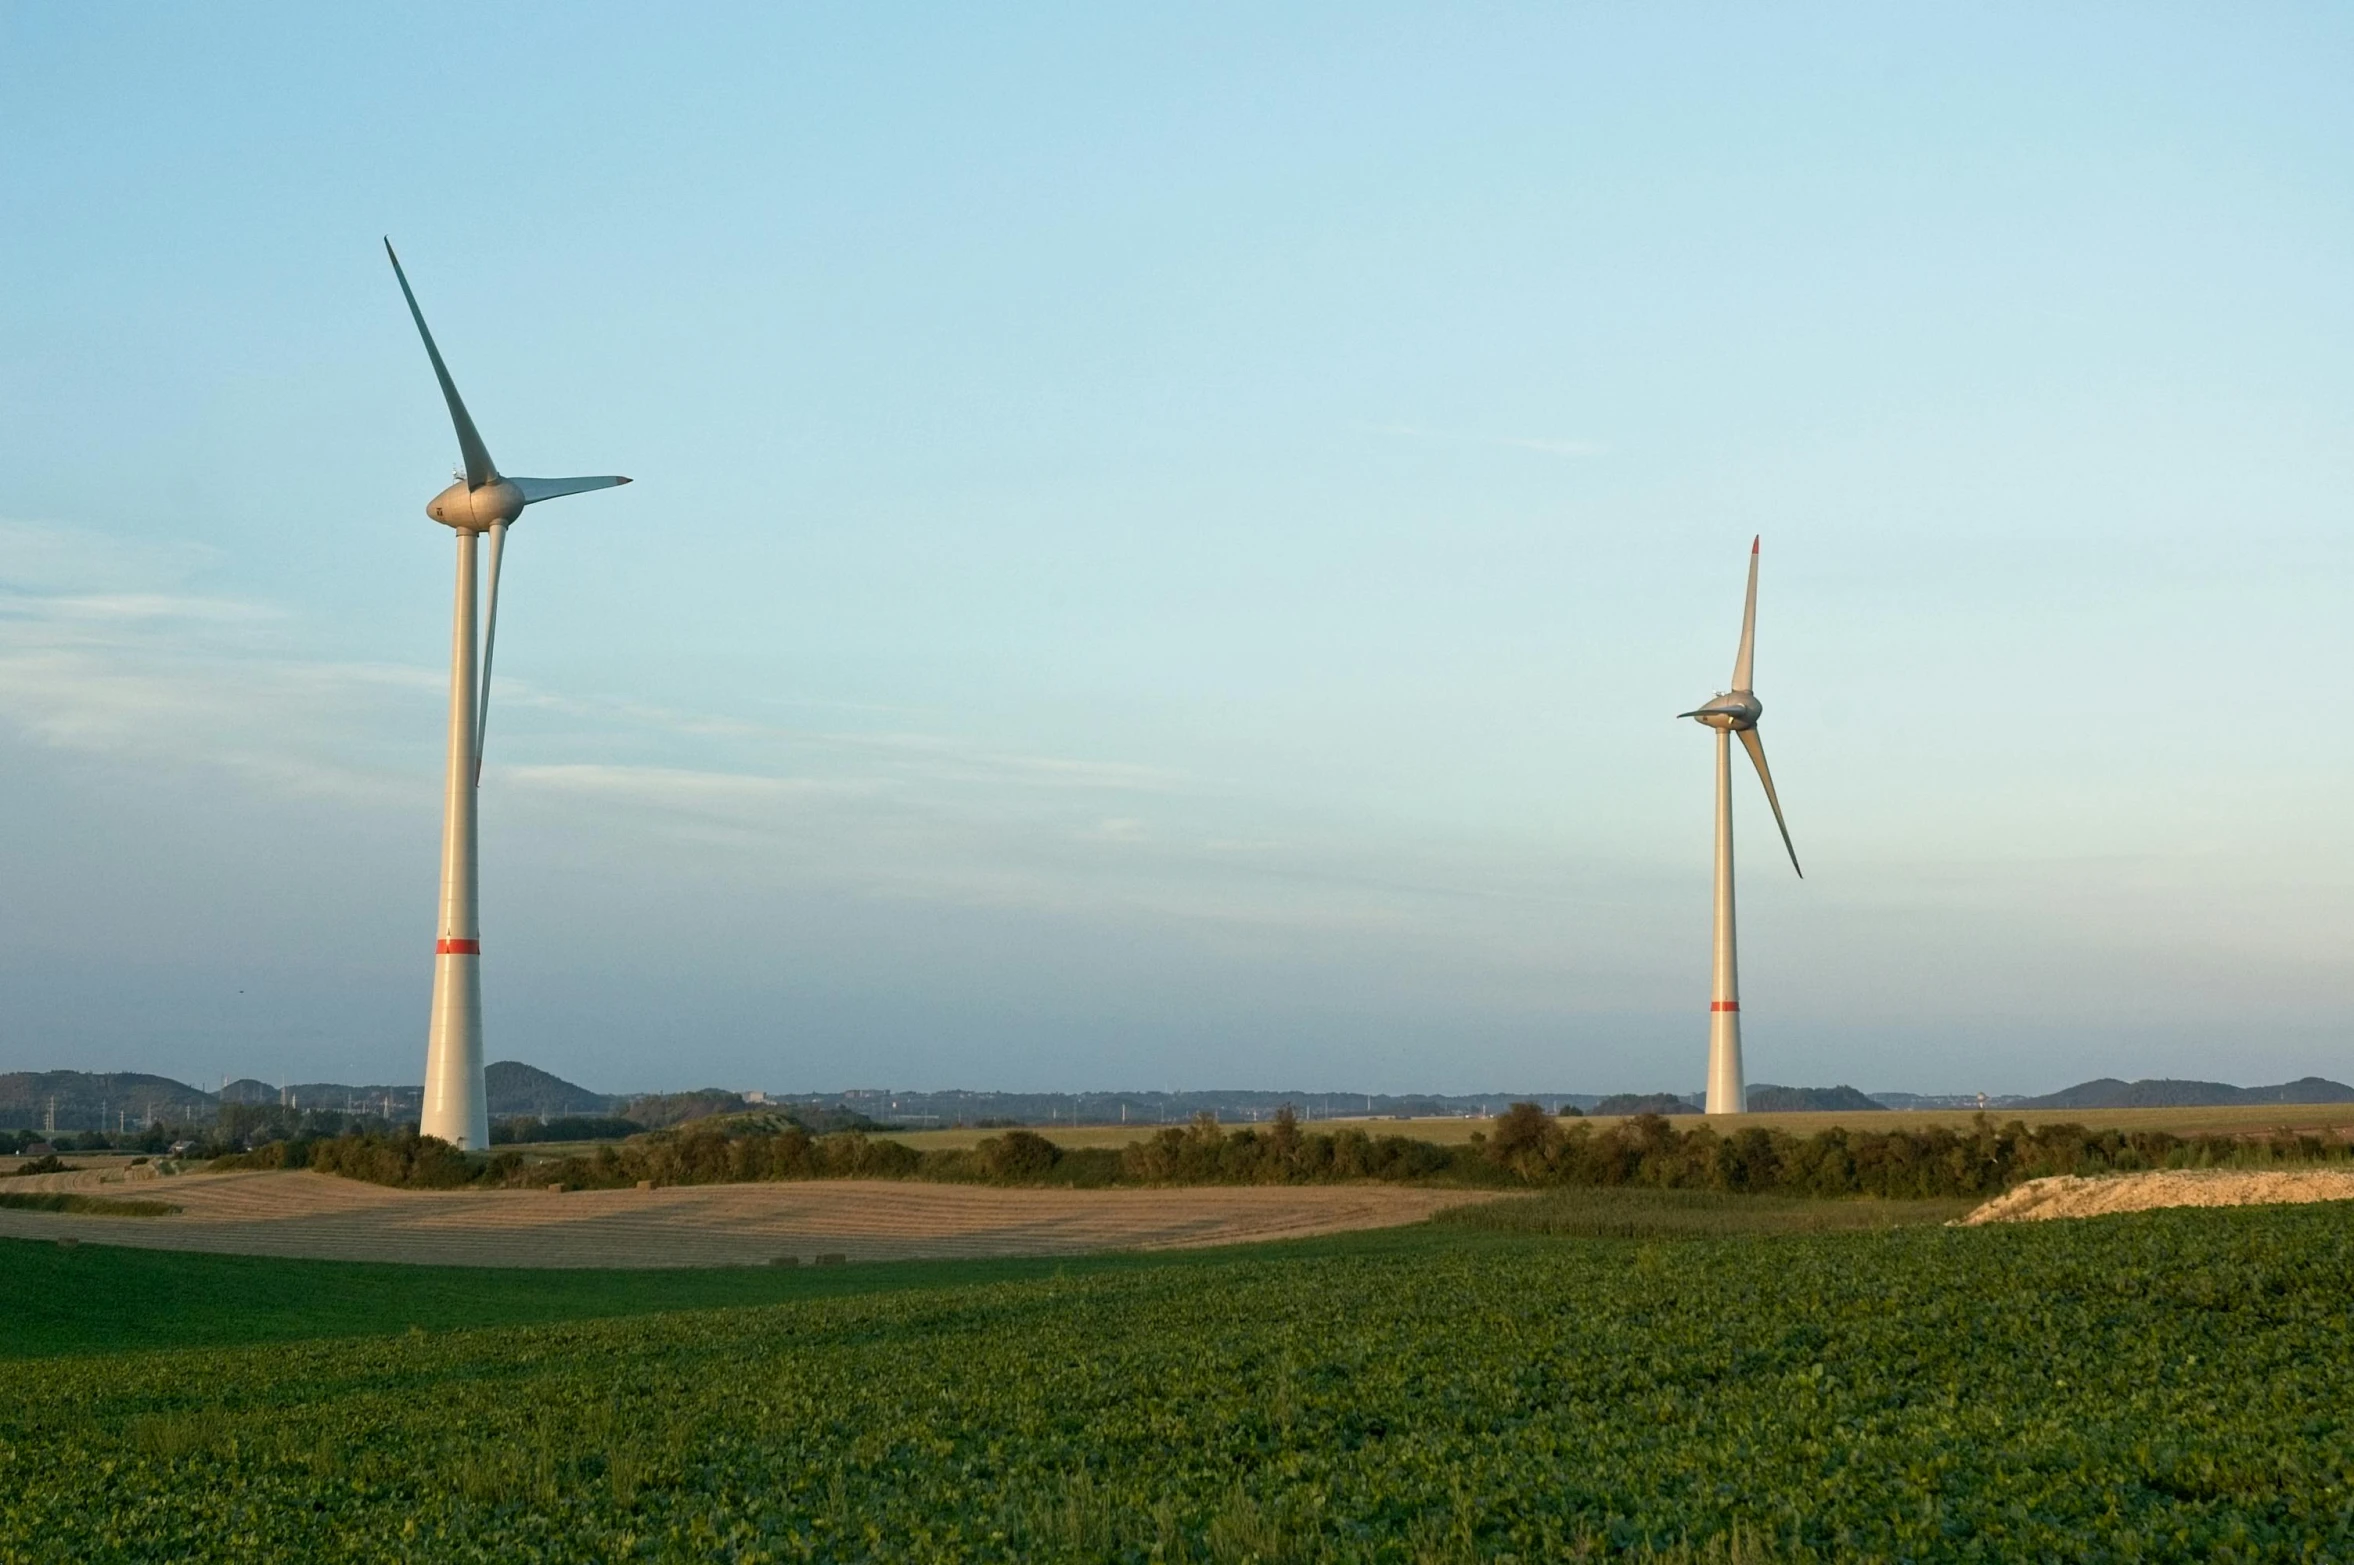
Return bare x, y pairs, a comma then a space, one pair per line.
472, 508
1733, 711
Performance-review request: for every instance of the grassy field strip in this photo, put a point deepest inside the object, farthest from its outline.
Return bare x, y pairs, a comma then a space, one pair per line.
323, 1217
1638, 1212
103, 1299
2237, 1119
76, 1202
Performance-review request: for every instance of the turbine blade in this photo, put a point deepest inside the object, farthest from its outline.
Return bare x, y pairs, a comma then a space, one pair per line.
480, 469
1742, 658
1756, 748
538, 489
490, 638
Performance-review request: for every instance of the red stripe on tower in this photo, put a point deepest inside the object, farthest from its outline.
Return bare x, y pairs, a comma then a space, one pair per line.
457, 948
1724, 1005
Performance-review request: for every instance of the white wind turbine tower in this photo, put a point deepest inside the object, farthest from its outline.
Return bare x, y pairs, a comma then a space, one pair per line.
1734, 711
456, 1107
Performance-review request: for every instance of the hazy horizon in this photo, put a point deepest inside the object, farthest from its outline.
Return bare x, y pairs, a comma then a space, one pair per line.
1323, 1101
1166, 548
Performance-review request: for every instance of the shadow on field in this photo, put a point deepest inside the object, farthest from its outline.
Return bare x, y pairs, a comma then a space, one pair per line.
1633, 1212
95, 1298
81, 1205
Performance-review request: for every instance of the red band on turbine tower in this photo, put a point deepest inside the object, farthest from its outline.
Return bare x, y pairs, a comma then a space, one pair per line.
1724, 1005
457, 948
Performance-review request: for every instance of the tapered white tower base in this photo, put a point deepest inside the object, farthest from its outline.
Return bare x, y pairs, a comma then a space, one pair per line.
456, 1106
1727, 1093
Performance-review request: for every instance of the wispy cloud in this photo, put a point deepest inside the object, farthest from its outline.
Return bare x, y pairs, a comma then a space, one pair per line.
1549, 445
108, 654
124, 607
105, 652
909, 752
103, 649
670, 787
44, 557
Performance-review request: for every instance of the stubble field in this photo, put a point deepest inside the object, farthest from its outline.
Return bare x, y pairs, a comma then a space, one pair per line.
322, 1217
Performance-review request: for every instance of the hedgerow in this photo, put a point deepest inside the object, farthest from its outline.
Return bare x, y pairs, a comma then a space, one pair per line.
1526, 1147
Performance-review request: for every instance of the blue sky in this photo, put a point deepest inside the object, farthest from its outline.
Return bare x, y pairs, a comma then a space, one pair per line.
1167, 544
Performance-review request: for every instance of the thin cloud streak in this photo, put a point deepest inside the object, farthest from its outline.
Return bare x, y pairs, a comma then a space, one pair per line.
1548, 445
173, 681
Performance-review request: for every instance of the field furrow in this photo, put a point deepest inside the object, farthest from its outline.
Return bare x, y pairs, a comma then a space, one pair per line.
320, 1216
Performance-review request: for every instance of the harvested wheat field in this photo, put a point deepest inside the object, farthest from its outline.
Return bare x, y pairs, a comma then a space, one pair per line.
325, 1217
2068, 1195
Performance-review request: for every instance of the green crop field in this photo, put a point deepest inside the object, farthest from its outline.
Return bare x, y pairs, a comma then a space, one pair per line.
1641, 1212
2168, 1385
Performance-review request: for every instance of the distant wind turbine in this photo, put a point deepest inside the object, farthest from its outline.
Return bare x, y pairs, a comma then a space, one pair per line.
1734, 711
456, 1107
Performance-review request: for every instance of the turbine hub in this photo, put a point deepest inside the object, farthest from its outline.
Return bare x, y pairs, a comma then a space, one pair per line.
1732, 711
475, 510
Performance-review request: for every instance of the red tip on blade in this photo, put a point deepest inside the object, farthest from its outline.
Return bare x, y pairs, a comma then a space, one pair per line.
1753, 544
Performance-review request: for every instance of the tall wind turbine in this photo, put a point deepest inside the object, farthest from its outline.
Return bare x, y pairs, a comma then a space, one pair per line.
456, 1106
1734, 711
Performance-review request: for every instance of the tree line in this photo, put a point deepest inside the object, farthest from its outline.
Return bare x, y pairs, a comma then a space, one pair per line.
1524, 1148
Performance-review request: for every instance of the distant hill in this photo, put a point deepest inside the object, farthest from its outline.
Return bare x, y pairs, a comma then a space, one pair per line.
2110, 1093
1645, 1103
1764, 1099
87, 1100
511, 1086
2305, 1089
83, 1098
394, 1102
516, 1088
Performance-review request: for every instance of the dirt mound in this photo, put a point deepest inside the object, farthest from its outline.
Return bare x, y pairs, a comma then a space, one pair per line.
320, 1216
2067, 1195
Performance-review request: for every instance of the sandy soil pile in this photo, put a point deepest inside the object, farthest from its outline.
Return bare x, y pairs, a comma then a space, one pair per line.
319, 1215
2067, 1195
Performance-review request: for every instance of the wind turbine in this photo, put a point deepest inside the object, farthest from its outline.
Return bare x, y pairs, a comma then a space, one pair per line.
456, 1107
1734, 711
